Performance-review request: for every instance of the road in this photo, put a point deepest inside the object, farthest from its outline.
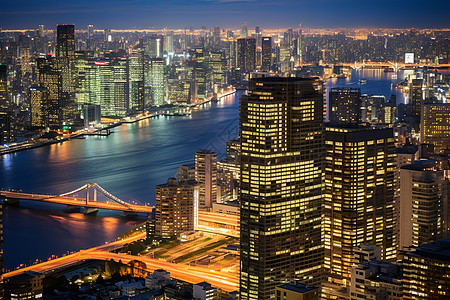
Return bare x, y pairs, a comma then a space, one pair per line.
227, 281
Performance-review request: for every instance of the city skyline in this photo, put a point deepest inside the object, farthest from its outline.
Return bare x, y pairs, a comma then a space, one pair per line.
226, 13
225, 159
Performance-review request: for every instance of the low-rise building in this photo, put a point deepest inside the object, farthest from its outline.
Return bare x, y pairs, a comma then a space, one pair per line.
426, 271
27, 285
375, 280
297, 291
204, 291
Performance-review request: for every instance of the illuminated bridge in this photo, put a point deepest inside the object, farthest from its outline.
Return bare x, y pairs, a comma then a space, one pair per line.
89, 196
395, 66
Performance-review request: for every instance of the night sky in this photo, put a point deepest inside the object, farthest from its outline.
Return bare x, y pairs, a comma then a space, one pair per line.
126, 14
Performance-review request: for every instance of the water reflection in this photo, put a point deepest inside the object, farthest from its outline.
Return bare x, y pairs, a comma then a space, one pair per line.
129, 164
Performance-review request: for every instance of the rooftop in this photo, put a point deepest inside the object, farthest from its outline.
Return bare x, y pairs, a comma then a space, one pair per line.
436, 250
298, 287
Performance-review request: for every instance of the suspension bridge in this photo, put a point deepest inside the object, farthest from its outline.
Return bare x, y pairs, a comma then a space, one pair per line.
90, 196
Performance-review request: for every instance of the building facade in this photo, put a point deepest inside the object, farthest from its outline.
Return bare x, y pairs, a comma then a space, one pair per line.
359, 196
345, 105
435, 126
423, 204
175, 208
206, 177
246, 54
281, 184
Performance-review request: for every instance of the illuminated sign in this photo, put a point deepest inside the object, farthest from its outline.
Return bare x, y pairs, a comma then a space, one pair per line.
409, 58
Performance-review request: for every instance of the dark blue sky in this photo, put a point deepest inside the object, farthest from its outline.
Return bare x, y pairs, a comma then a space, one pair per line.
16, 14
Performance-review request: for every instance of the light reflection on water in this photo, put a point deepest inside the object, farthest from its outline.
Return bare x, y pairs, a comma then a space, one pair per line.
129, 164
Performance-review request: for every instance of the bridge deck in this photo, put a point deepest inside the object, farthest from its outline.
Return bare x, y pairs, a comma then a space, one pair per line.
77, 202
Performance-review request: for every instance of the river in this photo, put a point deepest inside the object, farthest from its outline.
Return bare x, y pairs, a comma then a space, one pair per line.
128, 164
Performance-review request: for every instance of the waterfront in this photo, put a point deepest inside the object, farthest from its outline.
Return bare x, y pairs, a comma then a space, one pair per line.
128, 163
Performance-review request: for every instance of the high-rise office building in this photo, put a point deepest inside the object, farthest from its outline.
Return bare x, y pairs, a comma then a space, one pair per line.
6, 132
358, 196
435, 126
345, 105
244, 31
216, 71
108, 35
4, 103
90, 37
426, 272
199, 70
51, 81
175, 208
266, 62
65, 52
120, 102
216, 35
246, 54
38, 106
257, 30
206, 177
136, 80
155, 85
155, 46
286, 61
416, 99
423, 204
281, 184
65, 40
90, 31
107, 85
169, 43
42, 30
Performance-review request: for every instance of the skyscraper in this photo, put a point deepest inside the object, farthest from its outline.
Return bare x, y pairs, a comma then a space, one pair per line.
42, 30
38, 106
216, 35
6, 132
281, 184
107, 86
358, 197
90, 37
136, 80
415, 99
435, 126
51, 81
244, 31
266, 53
3, 86
65, 40
206, 176
423, 204
90, 31
246, 54
65, 52
155, 46
154, 82
345, 105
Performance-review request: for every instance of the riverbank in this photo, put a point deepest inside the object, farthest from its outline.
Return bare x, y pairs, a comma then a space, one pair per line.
31, 144
78, 134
